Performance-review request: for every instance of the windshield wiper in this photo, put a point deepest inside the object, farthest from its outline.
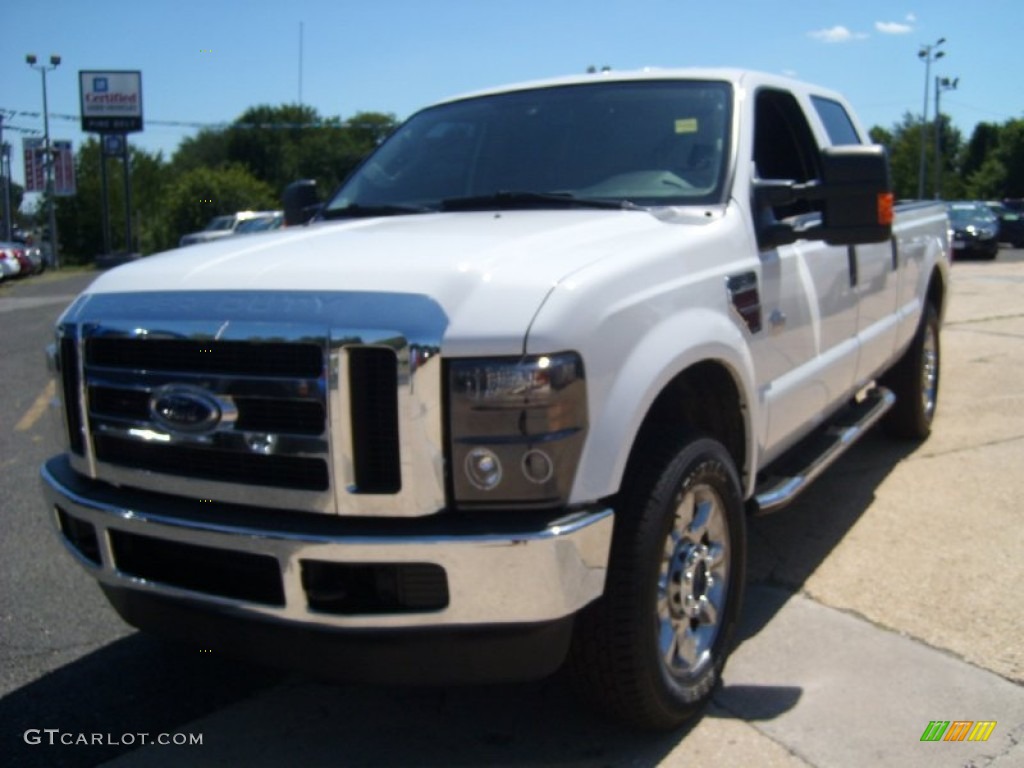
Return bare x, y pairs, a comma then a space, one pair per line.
503, 200
357, 211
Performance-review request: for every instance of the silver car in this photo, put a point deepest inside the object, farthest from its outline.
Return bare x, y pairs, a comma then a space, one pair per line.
223, 226
9, 264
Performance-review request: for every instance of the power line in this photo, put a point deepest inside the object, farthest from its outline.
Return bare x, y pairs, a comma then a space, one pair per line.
21, 129
963, 105
329, 123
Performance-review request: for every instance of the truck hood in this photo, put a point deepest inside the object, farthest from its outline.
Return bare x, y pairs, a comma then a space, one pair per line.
488, 271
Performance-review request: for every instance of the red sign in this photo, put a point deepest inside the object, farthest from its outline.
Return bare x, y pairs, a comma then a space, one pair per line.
35, 172
63, 167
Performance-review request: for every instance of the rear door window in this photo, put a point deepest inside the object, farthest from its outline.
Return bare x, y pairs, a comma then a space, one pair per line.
837, 121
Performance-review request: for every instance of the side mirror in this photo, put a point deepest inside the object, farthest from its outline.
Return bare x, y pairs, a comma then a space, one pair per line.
855, 195
858, 195
300, 202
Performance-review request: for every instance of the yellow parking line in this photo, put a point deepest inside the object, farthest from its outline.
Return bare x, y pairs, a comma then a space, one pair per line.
33, 414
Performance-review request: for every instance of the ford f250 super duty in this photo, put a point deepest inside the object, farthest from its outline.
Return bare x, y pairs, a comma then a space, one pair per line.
506, 401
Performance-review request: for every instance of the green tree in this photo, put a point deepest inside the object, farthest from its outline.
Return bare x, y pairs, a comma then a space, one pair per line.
279, 144
903, 142
207, 149
368, 129
263, 138
1011, 153
988, 182
80, 218
950, 148
984, 139
993, 161
196, 196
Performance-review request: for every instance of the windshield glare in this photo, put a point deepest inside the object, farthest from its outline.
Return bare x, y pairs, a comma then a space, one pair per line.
647, 143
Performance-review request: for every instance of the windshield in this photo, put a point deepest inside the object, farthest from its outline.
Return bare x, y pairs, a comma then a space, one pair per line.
220, 223
962, 215
258, 224
628, 143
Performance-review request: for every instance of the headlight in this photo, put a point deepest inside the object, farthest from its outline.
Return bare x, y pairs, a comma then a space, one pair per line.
516, 428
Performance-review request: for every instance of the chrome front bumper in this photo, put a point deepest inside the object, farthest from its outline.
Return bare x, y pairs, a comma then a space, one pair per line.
502, 574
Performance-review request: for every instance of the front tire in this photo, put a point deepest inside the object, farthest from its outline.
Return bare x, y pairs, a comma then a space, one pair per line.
651, 650
914, 379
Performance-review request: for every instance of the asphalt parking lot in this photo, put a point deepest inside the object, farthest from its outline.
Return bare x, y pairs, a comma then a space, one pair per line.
886, 598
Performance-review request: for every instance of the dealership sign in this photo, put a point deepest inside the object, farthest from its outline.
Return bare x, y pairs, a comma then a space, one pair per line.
111, 101
35, 166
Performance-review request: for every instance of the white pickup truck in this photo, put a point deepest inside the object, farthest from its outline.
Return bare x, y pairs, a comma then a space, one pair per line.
506, 402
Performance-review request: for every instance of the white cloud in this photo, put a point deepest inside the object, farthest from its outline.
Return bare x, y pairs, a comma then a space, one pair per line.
836, 34
911, 18
893, 28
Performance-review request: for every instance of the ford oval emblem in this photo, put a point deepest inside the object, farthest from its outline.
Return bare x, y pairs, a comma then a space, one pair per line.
184, 409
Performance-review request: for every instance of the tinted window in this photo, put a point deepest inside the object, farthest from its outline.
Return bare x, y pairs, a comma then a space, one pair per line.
650, 143
837, 122
784, 147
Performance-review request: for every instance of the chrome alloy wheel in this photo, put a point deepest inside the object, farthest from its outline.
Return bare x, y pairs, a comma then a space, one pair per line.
929, 370
693, 581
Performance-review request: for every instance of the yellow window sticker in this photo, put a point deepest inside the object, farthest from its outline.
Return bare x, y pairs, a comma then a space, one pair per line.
686, 125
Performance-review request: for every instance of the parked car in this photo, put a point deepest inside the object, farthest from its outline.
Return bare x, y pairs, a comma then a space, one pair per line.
10, 264
35, 255
28, 267
975, 230
29, 257
261, 224
223, 226
1011, 224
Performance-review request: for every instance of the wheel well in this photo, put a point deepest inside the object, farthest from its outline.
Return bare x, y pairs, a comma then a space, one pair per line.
704, 399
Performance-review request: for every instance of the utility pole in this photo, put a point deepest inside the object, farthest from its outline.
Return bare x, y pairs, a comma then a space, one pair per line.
941, 84
927, 54
5, 170
30, 59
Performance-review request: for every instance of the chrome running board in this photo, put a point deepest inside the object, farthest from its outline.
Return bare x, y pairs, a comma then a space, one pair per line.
805, 462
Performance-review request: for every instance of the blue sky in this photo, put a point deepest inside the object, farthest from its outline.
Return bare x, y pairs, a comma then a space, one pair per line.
206, 62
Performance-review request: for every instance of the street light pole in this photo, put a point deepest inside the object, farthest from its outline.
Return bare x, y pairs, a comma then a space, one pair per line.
30, 59
927, 54
941, 84
5, 172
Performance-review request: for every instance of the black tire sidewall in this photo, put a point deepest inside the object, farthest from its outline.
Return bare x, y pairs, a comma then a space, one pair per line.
908, 418
703, 461
618, 635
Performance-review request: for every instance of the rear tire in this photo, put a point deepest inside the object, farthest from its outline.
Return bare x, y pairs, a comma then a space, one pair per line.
651, 650
914, 379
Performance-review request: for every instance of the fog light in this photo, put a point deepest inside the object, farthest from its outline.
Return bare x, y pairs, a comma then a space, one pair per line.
537, 466
483, 469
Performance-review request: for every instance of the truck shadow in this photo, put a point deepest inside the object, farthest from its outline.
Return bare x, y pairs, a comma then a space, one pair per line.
255, 716
785, 548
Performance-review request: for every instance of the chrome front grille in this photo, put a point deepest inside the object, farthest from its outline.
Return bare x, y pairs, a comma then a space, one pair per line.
225, 358
301, 414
